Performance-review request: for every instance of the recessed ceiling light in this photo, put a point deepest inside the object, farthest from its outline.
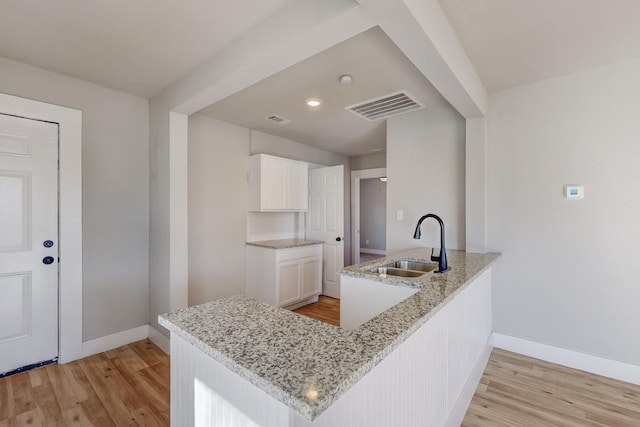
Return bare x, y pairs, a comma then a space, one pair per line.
313, 102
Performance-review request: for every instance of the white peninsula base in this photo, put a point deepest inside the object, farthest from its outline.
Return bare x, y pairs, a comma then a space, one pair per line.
428, 380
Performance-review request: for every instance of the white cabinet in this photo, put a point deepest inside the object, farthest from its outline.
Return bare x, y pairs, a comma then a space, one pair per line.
290, 277
277, 184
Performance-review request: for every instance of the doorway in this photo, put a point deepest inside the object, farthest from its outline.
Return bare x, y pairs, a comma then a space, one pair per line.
357, 213
70, 214
325, 222
28, 242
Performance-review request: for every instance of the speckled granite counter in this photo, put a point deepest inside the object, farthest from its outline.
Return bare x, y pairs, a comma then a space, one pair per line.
307, 364
284, 243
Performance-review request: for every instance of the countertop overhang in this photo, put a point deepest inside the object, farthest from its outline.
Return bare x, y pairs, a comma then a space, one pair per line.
307, 364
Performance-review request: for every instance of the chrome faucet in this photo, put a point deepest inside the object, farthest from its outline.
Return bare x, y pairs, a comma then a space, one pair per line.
442, 258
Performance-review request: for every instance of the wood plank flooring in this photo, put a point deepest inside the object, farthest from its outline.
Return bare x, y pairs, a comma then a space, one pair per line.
130, 386
122, 387
516, 390
326, 310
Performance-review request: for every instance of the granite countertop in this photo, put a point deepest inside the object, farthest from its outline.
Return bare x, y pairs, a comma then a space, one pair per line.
307, 364
285, 243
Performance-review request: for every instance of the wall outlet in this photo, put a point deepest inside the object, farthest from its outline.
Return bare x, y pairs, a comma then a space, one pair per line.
400, 215
366, 242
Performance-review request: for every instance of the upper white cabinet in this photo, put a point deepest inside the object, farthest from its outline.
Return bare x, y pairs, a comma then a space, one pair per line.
277, 184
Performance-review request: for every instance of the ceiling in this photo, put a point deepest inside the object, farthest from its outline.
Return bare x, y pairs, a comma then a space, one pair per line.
143, 46
515, 42
138, 47
377, 67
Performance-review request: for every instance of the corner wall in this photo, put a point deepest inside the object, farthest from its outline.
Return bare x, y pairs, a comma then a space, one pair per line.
426, 172
115, 193
218, 154
569, 272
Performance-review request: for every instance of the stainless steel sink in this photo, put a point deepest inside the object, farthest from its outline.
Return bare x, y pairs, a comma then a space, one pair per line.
423, 267
390, 271
404, 268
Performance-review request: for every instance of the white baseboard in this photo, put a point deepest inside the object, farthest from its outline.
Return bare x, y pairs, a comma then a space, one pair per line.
109, 342
585, 362
461, 405
159, 339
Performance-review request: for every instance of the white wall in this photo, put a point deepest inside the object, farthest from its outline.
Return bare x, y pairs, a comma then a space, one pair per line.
115, 180
426, 171
218, 154
373, 214
569, 272
219, 224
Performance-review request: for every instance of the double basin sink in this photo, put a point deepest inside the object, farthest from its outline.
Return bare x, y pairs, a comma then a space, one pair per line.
404, 268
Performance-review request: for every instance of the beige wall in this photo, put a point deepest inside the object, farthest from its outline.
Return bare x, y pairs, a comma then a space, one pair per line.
569, 272
369, 161
426, 171
115, 180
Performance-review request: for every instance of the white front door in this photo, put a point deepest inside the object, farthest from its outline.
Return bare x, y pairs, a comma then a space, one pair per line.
28, 242
326, 222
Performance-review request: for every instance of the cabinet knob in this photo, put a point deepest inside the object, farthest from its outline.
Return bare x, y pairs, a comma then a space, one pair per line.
338, 239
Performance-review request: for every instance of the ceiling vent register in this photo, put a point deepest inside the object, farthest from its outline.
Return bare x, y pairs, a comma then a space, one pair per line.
386, 106
277, 119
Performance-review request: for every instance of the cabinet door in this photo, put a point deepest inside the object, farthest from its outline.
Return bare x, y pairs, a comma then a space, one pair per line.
274, 183
288, 281
298, 186
311, 276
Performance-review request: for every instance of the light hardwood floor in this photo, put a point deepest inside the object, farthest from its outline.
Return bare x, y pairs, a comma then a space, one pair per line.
326, 310
516, 390
130, 386
122, 387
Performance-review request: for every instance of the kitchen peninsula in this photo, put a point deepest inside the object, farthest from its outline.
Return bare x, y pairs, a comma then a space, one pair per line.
416, 363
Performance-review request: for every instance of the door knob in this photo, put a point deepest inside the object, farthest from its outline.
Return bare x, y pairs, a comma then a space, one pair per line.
47, 260
338, 239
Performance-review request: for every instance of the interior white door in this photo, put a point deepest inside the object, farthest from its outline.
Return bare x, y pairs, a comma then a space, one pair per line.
28, 242
326, 222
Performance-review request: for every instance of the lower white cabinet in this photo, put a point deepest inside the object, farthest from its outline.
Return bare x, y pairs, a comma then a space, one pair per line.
289, 278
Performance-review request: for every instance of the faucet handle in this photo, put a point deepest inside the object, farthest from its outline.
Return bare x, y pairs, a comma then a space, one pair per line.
435, 258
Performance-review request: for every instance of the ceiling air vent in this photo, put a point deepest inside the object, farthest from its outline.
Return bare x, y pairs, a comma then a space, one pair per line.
386, 106
277, 119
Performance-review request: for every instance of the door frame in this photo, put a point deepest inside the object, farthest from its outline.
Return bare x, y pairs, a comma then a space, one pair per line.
356, 176
69, 216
